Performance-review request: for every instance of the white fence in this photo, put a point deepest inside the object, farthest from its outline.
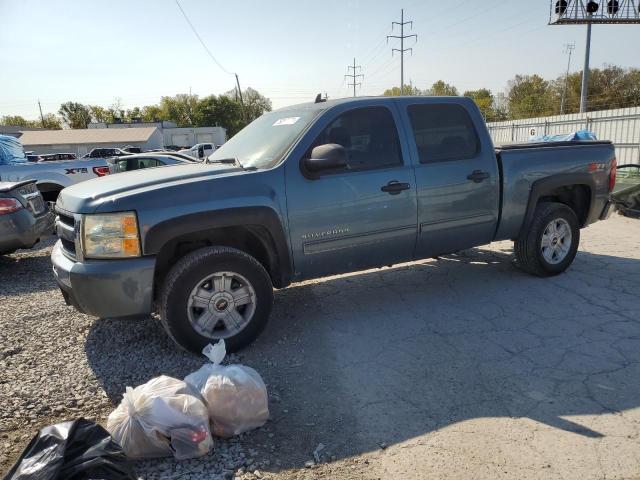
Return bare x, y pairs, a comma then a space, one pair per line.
621, 126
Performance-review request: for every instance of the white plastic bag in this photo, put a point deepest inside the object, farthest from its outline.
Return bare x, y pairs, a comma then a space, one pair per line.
160, 418
235, 395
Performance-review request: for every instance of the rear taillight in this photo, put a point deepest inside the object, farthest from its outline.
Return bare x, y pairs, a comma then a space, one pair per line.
101, 171
612, 174
9, 205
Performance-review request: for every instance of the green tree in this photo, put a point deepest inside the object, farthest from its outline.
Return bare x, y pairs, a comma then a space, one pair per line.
51, 122
485, 102
531, 96
255, 104
100, 114
221, 111
408, 90
442, 89
609, 87
18, 121
152, 113
75, 115
181, 109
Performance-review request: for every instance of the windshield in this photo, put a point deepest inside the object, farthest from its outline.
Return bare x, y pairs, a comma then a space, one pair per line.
262, 143
11, 151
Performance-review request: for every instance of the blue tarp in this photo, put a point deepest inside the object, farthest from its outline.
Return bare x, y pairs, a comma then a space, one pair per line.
11, 151
579, 136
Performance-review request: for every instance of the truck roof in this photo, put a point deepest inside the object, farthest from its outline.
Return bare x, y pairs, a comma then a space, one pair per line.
339, 101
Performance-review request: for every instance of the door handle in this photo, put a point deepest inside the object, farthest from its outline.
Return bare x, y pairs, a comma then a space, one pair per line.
394, 187
478, 176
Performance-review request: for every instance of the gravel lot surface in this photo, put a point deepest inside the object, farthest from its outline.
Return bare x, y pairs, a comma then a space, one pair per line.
460, 367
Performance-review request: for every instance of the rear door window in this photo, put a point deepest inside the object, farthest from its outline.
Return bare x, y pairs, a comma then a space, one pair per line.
443, 132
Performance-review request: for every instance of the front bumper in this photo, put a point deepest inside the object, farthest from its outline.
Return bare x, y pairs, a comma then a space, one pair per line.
105, 288
22, 229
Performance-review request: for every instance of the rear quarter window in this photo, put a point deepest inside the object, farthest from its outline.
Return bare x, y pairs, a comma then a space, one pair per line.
443, 132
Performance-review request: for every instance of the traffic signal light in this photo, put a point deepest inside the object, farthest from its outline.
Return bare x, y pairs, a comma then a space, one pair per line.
561, 7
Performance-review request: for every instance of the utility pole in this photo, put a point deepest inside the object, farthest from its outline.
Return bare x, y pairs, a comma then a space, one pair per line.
568, 48
585, 71
41, 116
353, 76
402, 36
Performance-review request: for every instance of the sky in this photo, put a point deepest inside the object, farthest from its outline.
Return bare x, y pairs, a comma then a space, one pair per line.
136, 51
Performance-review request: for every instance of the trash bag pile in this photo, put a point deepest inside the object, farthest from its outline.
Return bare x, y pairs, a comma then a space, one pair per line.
76, 450
235, 395
167, 416
160, 418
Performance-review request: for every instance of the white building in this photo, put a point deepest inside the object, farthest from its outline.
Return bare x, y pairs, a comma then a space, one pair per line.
82, 141
172, 134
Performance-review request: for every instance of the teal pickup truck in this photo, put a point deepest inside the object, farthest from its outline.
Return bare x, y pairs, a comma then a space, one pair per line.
314, 190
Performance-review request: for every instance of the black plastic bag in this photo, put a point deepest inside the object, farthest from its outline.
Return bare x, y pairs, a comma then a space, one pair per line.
77, 450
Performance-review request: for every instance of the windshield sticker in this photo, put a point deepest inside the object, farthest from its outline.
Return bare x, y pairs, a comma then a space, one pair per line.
285, 121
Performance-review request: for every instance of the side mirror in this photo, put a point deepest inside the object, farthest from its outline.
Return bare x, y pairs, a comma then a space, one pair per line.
330, 156
200, 152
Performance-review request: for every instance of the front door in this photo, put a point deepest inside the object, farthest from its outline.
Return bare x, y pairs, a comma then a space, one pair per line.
363, 215
457, 178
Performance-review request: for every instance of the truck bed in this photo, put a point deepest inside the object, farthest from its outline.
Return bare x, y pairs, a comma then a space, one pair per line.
585, 163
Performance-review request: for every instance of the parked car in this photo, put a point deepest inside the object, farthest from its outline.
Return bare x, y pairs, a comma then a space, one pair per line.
32, 157
24, 216
144, 160
51, 177
200, 150
56, 157
314, 190
131, 149
105, 153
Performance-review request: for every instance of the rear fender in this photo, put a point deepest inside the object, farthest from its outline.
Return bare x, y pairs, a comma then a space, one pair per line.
547, 186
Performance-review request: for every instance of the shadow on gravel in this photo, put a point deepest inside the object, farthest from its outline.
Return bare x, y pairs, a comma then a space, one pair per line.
20, 274
380, 357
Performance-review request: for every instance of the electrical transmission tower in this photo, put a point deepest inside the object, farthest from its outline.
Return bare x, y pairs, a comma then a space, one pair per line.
568, 49
402, 36
354, 76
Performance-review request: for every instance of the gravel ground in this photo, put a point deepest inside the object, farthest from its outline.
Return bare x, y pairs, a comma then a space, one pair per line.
451, 368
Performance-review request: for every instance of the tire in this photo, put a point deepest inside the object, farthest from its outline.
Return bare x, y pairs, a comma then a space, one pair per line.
216, 277
531, 256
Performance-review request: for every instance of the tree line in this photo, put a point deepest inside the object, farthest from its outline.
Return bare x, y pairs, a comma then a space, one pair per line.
530, 96
527, 96
226, 110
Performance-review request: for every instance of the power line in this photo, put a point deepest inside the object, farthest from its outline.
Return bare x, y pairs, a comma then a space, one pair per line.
354, 76
401, 37
195, 32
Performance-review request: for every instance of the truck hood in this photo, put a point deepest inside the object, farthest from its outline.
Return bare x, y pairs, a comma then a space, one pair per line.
86, 197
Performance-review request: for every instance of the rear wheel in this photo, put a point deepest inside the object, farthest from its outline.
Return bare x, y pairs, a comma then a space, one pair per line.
216, 293
551, 243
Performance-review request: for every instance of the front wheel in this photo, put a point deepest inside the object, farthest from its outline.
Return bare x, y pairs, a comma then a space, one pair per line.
551, 243
216, 293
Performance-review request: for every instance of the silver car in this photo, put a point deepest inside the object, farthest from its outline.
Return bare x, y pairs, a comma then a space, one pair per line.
146, 160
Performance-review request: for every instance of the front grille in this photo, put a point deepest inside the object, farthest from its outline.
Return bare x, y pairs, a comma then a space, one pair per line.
66, 230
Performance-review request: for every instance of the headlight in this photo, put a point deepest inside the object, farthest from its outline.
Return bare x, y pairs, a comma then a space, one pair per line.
111, 235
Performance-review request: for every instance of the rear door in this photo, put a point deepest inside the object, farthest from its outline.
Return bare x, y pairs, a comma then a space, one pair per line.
456, 174
360, 216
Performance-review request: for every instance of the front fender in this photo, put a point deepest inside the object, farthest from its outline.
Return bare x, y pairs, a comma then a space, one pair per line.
160, 234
